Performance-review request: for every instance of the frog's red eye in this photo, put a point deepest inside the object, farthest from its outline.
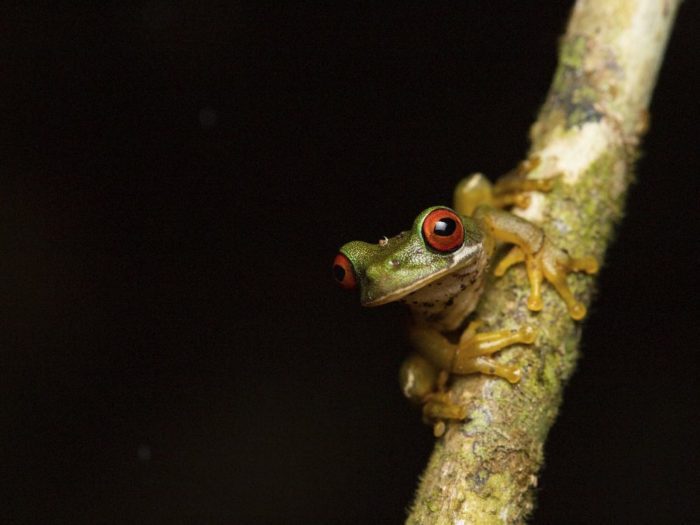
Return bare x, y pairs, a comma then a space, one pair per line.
443, 230
343, 272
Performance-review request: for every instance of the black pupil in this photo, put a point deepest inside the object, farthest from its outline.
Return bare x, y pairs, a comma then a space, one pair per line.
339, 272
445, 227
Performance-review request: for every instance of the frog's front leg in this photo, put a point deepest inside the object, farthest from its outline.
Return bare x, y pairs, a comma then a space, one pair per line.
542, 259
467, 355
424, 374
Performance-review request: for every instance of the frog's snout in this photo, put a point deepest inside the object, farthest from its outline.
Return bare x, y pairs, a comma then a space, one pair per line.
376, 279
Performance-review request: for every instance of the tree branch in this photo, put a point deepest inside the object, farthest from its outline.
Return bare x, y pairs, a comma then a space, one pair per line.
483, 471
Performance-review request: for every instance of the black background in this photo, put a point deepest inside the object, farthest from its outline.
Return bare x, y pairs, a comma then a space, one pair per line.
177, 178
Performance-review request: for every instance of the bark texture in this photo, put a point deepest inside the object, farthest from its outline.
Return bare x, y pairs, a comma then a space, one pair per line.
588, 130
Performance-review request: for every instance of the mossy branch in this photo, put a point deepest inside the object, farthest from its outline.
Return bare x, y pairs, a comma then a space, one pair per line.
588, 130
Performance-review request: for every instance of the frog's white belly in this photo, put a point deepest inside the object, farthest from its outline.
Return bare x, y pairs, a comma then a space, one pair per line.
445, 303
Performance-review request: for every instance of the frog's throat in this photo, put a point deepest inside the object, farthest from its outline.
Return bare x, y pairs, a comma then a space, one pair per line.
468, 257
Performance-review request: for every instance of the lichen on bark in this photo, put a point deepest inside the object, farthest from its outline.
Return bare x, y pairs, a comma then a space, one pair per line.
588, 130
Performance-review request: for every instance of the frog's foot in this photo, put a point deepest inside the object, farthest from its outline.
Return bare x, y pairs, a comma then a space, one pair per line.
439, 408
513, 188
513, 183
557, 264
517, 192
472, 347
554, 265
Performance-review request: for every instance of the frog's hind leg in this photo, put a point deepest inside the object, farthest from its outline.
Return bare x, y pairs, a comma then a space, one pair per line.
512, 189
472, 192
424, 384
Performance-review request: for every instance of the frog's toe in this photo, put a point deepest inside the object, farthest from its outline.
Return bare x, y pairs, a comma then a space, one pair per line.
586, 264
522, 200
577, 311
534, 303
512, 374
528, 334
439, 429
514, 256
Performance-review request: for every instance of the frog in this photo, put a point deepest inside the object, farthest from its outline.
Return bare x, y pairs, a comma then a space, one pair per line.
439, 270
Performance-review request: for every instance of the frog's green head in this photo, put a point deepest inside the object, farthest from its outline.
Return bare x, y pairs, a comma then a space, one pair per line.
440, 242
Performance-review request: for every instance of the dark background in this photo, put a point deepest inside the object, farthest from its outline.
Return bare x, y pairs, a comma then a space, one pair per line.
177, 179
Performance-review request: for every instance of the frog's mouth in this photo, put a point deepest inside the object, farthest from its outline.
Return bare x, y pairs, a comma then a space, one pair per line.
399, 294
470, 257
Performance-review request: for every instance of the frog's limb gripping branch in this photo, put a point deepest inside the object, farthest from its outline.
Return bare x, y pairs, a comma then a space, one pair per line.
483, 471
